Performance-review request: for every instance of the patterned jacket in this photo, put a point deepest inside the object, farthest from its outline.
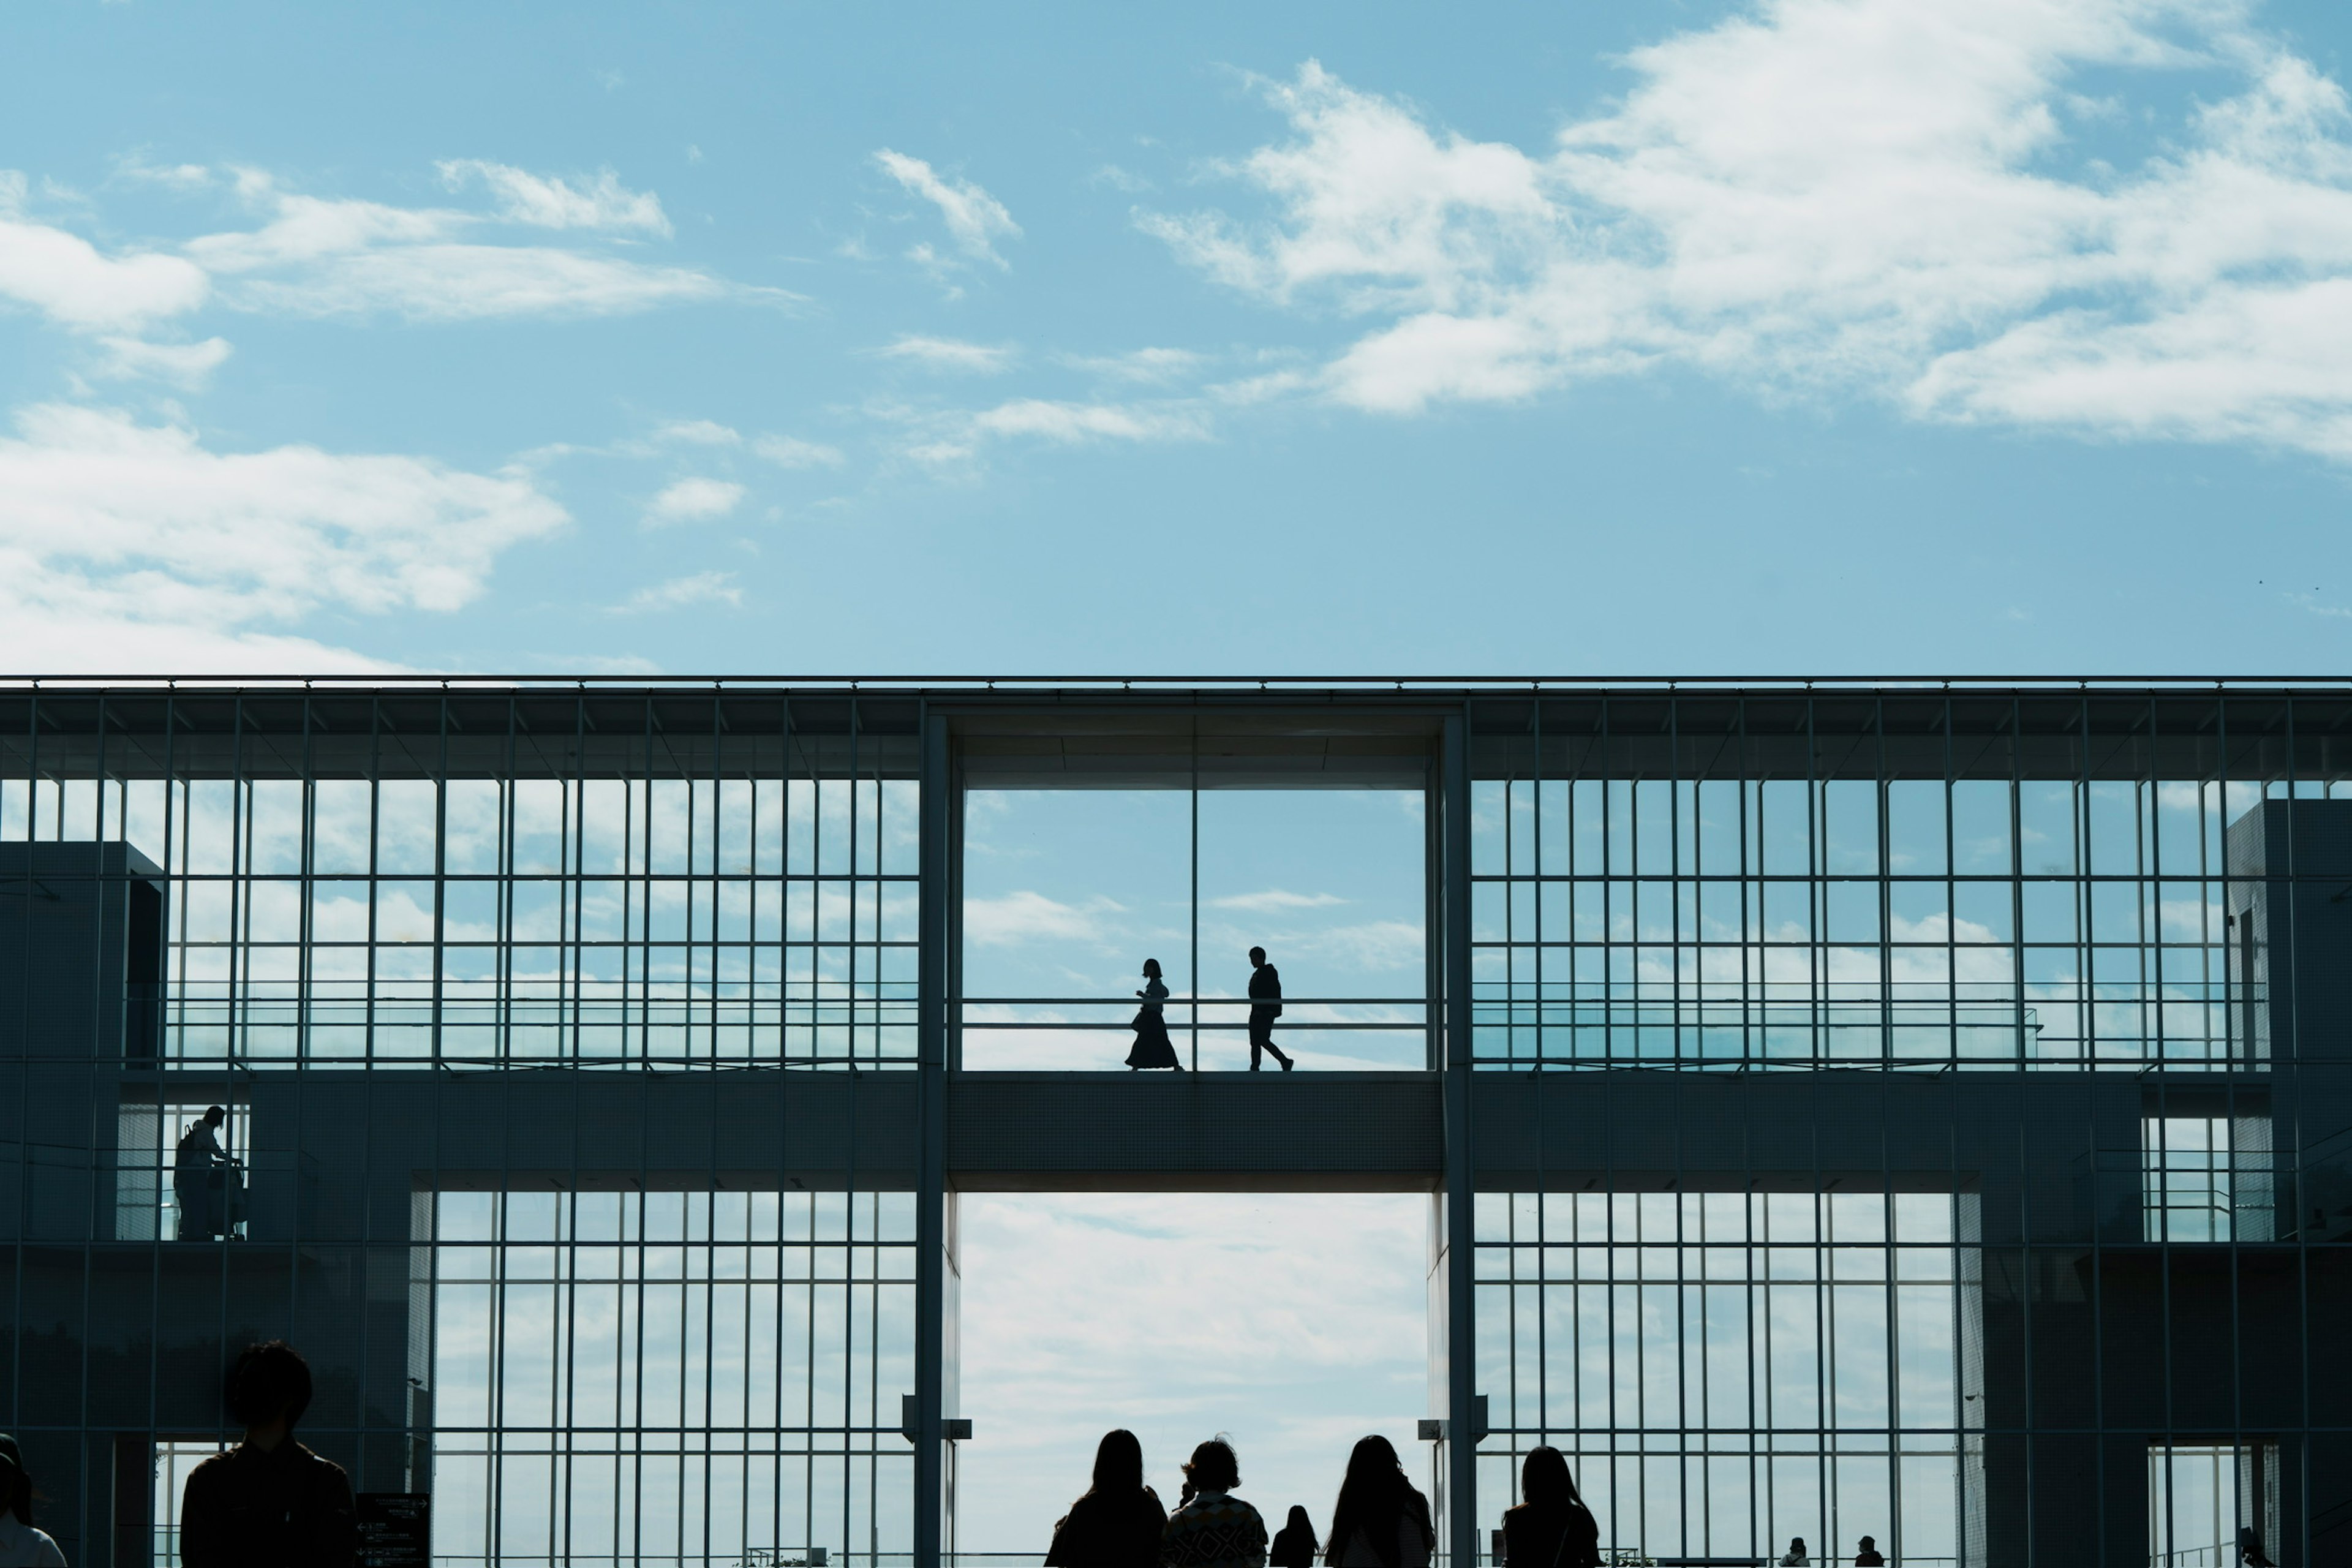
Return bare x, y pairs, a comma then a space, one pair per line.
1215, 1530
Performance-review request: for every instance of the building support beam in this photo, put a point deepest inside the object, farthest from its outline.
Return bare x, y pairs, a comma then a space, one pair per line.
1463, 1423
931, 1241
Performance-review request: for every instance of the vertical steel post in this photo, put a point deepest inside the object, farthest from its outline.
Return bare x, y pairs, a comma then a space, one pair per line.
1462, 1416
931, 1178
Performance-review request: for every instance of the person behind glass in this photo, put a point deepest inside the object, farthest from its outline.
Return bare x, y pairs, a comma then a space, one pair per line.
1380, 1520
197, 1164
1117, 1523
1152, 1048
1265, 1006
1867, 1556
21, 1545
1796, 1557
1551, 1527
1294, 1544
269, 1503
2250, 1548
1212, 1528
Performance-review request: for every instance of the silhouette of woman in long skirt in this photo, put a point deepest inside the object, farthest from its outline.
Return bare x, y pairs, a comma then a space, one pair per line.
1153, 1048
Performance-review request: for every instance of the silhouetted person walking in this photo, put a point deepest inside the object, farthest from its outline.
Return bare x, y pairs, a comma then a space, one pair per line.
2250, 1548
1380, 1519
21, 1545
1213, 1529
1868, 1557
1796, 1557
1265, 1006
1294, 1544
199, 1175
1152, 1047
1117, 1523
269, 1503
1551, 1527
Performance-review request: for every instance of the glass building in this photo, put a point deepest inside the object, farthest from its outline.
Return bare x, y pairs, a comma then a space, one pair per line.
1916, 1111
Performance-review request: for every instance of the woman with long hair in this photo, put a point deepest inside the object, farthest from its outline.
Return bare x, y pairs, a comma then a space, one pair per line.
1152, 1047
1551, 1527
1380, 1520
1294, 1544
1117, 1523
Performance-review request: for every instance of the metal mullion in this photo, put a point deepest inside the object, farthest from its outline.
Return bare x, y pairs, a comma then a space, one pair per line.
1951, 908
1884, 803
374, 871
508, 789
440, 880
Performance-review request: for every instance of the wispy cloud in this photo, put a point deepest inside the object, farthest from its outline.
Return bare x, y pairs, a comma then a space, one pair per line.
1275, 899
684, 592
975, 219
1841, 196
1139, 365
545, 201
950, 353
694, 500
188, 366
133, 546
957, 438
792, 452
1073, 422
1022, 916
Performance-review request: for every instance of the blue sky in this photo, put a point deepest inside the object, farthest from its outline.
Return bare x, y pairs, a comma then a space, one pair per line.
1825, 335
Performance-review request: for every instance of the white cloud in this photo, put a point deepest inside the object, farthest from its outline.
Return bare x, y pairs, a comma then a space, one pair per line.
948, 353
699, 433
545, 201
1073, 422
185, 364
683, 593
67, 279
792, 452
975, 219
321, 257
694, 500
1139, 365
1881, 196
126, 546
1275, 899
1024, 916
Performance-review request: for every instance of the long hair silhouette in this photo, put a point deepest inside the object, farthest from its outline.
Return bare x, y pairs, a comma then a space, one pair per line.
1119, 1465
1544, 1482
1374, 1499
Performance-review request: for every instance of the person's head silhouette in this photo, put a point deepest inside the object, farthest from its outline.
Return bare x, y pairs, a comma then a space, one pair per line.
1213, 1467
1544, 1478
213, 1116
268, 1389
1257, 958
1298, 1521
1151, 969
1118, 1464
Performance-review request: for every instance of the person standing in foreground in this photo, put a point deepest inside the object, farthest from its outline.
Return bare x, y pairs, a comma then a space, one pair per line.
1265, 1006
21, 1545
1380, 1520
1117, 1523
1551, 1527
1213, 1529
269, 1503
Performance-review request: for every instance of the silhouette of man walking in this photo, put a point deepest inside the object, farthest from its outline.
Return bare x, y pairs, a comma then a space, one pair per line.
1265, 1006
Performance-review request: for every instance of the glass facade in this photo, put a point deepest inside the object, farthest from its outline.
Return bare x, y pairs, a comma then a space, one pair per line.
1914, 1112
